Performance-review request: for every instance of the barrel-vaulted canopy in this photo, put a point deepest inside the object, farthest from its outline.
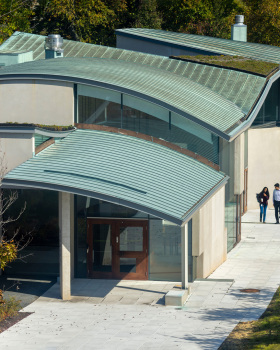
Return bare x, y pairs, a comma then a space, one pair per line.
121, 169
174, 92
218, 99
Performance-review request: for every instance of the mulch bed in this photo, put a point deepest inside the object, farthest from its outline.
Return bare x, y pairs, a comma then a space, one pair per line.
10, 321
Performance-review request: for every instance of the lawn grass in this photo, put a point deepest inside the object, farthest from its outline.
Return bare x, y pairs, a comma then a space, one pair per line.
237, 62
263, 334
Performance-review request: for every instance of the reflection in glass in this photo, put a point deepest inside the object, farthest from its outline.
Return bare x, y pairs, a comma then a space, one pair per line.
131, 239
128, 265
102, 248
269, 112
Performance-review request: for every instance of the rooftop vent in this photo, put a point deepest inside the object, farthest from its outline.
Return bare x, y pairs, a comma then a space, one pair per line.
239, 29
53, 46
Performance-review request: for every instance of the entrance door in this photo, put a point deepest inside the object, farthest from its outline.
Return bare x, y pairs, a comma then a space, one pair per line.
117, 249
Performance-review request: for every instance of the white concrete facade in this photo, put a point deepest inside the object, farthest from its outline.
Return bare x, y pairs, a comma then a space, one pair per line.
263, 162
15, 149
37, 101
209, 235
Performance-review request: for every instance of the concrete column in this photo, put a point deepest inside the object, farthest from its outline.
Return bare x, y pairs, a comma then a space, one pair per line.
184, 256
239, 164
65, 244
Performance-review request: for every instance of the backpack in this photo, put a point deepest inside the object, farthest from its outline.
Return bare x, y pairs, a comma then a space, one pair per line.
258, 196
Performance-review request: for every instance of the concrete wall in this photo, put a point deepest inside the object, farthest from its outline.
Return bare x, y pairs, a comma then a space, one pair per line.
15, 149
140, 45
36, 101
209, 235
263, 162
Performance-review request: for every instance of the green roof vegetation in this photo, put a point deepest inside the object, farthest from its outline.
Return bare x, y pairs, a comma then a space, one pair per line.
235, 62
40, 126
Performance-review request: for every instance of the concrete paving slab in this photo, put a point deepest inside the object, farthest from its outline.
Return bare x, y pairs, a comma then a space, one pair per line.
128, 314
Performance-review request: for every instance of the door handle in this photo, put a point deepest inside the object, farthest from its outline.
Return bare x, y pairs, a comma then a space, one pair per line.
117, 239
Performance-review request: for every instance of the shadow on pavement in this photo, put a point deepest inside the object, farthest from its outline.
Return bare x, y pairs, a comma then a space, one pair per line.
26, 289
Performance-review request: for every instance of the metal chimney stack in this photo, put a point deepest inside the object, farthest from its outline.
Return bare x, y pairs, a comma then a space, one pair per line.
53, 46
239, 29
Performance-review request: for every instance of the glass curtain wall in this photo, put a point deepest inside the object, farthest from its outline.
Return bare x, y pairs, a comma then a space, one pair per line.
269, 112
231, 201
41, 256
109, 108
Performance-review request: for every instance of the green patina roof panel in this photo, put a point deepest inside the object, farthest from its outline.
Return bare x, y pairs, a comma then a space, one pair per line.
223, 82
124, 168
205, 43
172, 90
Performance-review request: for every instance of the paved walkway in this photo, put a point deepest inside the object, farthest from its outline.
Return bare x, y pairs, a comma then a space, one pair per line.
133, 318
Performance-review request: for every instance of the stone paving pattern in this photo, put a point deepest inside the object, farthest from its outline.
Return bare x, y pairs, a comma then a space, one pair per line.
130, 315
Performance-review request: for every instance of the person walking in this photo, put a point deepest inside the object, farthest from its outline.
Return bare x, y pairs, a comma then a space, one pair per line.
263, 200
276, 202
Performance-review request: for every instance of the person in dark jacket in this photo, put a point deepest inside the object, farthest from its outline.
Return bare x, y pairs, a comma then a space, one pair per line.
263, 200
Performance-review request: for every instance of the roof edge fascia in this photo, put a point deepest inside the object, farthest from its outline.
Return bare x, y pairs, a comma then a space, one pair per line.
23, 184
76, 80
165, 42
249, 121
200, 204
13, 129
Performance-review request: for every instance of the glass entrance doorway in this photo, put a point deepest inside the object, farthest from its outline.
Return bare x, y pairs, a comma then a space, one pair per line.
117, 249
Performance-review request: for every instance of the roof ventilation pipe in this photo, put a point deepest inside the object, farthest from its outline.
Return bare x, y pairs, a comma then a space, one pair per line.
239, 29
53, 46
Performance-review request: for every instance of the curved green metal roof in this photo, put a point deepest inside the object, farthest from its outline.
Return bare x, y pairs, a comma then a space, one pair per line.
219, 46
123, 170
172, 91
240, 88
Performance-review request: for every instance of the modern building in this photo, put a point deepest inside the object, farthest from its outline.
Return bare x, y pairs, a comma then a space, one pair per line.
147, 176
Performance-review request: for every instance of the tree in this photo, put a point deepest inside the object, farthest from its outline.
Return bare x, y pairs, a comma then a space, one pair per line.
147, 15
204, 17
91, 21
263, 20
15, 15
13, 242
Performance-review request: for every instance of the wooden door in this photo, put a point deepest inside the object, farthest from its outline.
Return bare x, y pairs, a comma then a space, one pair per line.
117, 249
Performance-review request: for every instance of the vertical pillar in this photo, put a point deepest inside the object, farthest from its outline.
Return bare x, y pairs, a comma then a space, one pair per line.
239, 164
184, 255
65, 244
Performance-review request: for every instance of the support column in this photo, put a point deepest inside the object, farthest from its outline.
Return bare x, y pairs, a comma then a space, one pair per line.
184, 256
239, 164
65, 244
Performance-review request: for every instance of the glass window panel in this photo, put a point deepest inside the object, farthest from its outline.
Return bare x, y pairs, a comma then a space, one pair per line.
98, 208
128, 265
41, 256
165, 251
146, 107
99, 93
131, 239
102, 248
269, 111
95, 111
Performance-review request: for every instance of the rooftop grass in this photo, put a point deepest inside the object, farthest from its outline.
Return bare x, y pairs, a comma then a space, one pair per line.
40, 126
235, 62
261, 334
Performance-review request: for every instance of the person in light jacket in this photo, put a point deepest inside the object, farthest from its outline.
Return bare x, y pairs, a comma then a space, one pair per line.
276, 201
263, 197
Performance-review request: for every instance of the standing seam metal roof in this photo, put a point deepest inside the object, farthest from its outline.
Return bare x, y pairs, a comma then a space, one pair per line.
220, 46
238, 87
127, 170
171, 90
